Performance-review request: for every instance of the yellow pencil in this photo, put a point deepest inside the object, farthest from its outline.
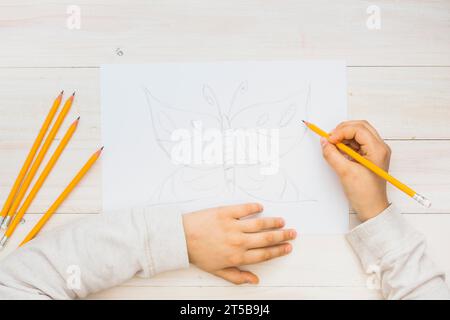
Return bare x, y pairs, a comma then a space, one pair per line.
51, 163
30, 156
374, 168
62, 197
37, 162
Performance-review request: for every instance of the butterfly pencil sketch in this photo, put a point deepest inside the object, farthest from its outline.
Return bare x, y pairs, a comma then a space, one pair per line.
191, 182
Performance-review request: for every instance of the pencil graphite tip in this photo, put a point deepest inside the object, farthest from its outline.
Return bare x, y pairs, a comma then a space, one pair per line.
78, 119
101, 149
71, 97
59, 97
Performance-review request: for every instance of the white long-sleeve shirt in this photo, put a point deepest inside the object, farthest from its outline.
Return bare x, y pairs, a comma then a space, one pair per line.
101, 252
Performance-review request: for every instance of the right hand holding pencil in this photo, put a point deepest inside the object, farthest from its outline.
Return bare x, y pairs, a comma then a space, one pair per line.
363, 188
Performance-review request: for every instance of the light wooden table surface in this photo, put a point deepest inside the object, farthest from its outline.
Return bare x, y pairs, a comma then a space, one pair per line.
398, 78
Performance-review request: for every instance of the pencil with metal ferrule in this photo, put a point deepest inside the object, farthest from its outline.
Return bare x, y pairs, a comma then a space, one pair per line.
40, 181
373, 167
37, 162
62, 196
29, 159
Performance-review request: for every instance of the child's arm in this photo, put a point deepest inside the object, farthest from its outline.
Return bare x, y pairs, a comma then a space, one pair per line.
101, 252
388, 247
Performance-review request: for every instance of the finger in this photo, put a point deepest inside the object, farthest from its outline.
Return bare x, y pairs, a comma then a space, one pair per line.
241, 210
371, 129
334, 157
259, 224
359, 122
263, 254
364, 124
352, 144
237, 276
269, 238
358, 132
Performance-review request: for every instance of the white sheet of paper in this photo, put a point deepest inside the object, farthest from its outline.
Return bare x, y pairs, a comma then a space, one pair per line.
207, 134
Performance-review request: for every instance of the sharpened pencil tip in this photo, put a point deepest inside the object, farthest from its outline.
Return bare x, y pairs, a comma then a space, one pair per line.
78, 118
62, 92
102, 148
72, 97
75, 123
99, 151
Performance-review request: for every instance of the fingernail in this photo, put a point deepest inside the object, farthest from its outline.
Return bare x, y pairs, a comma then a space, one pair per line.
293, 234
249, 280
280, 222
323, 141
288, 249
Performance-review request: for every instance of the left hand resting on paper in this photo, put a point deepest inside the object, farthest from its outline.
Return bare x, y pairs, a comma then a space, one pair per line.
219, 242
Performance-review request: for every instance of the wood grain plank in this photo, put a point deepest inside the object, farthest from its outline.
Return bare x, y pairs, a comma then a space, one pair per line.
412, 32
403, 103
237, 293
25, 95
423, 165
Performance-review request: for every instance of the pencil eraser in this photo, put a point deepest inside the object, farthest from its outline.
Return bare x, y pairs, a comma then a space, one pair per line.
422, 200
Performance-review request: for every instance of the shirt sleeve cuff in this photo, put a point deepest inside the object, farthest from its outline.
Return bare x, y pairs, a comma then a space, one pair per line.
165, 244
382, 235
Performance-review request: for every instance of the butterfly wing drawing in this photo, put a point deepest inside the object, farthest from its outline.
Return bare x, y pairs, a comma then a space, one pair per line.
285, 116
190, 182
187, 182
165, 119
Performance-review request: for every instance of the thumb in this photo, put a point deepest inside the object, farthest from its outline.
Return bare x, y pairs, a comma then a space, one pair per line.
237, 276
334, 157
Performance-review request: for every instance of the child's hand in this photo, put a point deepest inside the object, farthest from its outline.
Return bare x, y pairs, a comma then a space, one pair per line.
218, 241
364, 189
